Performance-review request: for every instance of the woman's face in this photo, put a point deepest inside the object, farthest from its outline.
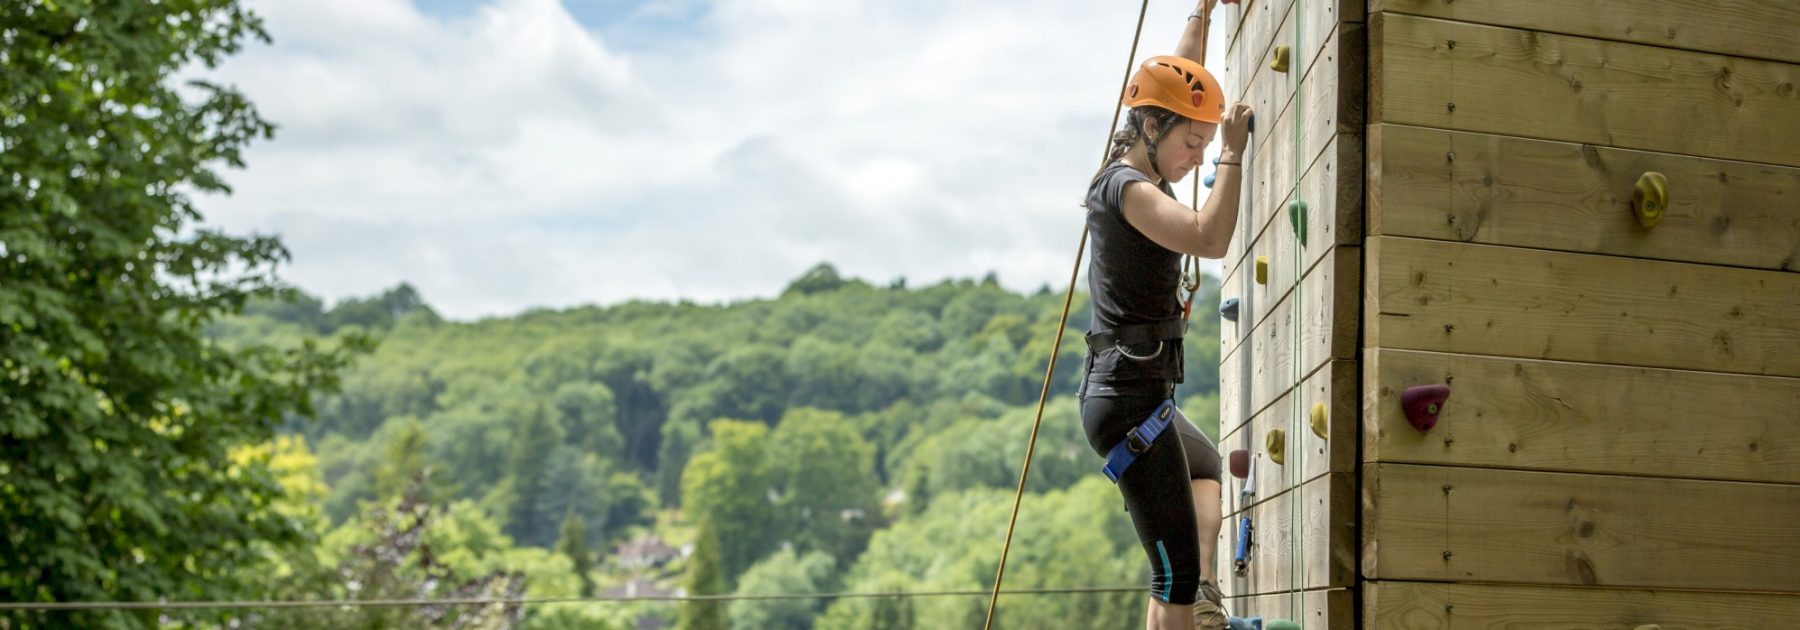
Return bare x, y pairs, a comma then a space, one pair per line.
1183, 148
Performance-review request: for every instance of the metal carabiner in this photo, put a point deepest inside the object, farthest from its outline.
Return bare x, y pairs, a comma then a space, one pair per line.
1129, 355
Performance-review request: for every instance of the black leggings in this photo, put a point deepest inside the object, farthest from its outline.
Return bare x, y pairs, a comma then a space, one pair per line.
1156, 486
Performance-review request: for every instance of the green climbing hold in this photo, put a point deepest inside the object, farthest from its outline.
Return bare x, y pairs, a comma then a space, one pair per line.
1281, 624
1297, 216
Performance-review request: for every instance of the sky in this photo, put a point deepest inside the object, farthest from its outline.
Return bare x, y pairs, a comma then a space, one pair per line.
507, 155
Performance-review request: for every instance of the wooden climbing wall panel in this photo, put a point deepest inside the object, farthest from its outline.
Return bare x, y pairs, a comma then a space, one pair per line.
1294, 344
1621, 445
1622, 441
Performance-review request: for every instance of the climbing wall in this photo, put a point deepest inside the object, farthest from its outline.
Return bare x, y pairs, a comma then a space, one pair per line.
1481, 181
1290, 349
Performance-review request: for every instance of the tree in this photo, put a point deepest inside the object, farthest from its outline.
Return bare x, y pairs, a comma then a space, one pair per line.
824, 476
783, 573
527, 484
705, 576
727, 488
116, 409
573, 543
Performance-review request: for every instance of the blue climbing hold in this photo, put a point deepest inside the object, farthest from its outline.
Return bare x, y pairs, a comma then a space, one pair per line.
1229, 309
1210, 178
1244, 623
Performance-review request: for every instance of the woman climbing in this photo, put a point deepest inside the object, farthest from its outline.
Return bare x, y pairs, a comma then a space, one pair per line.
1170, 478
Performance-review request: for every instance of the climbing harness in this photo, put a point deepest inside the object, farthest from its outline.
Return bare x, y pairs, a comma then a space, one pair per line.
1138, 440
1160, 332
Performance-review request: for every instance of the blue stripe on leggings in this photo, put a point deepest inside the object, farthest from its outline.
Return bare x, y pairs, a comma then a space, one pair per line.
1168, 574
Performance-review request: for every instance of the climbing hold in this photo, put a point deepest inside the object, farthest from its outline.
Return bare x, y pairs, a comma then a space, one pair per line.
1281, 624
1262, 269
1318, 419
1650, 198
1297, 216
1215, 161
1228, 309
1244, 623
1276, 444
1240, 463
1423, 403
1210, 179
1280, 64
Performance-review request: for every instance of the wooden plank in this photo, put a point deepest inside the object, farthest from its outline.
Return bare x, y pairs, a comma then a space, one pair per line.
1308, 455
1749, 28
1333, 609
1327, 547
1469, 524
1326, 190
1506, 301
1332, 108
1328, 327
1406, 605
1501, 190
1581, 417
1469, 77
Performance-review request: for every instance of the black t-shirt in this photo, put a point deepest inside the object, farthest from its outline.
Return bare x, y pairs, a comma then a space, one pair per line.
1131, 280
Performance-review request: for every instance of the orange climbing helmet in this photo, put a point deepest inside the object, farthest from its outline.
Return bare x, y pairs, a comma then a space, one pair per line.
1177, 84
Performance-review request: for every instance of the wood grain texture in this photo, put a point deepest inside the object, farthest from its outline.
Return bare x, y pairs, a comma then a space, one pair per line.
1468, 524
1327, 547
1335, 386
1751, 28
1502, 190
1506, 301
1582, 417
1327, 326
1389, 605
1454, 75
1326, 190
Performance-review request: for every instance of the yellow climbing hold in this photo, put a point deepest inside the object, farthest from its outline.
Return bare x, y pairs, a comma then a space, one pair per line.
1262, 269
1280, 64
1318, 419
1650, 198
1276, 444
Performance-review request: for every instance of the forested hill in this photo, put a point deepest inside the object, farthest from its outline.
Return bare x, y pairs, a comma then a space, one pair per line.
839, 436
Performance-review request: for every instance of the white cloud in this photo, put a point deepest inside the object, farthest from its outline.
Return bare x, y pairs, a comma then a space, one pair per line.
510, 158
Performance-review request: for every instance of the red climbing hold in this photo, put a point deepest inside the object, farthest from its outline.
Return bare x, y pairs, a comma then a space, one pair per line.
1423, 403
1229, 1
1240, 463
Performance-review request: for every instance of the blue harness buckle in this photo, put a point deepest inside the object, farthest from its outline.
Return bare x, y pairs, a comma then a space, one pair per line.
1138, 440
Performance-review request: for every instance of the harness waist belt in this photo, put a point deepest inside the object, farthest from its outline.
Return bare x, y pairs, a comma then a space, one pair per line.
1138, 440
1166, 330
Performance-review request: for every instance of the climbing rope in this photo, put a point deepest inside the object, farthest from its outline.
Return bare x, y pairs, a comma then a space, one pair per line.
1061, 322
1296, 497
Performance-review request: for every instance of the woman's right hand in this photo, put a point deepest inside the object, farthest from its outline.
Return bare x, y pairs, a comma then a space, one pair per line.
1235, 131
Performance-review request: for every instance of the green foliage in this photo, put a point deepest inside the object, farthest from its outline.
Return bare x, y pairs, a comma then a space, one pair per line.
1072, 537
572, 542
117, 414
706, 576
727, 489
783, 573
